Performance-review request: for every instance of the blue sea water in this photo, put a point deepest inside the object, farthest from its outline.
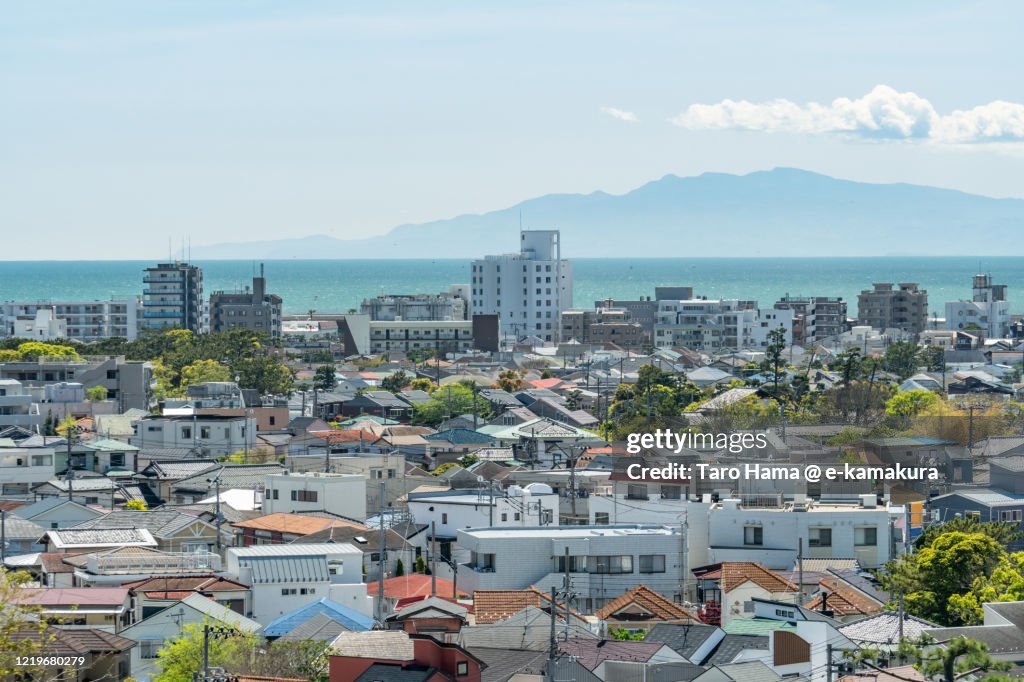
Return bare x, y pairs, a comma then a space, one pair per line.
338, 285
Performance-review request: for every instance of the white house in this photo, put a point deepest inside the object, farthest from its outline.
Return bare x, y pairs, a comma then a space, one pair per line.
341, 494
209, 434
57, 512
153, 632
604, 561
22, 467
284, 577
18, 406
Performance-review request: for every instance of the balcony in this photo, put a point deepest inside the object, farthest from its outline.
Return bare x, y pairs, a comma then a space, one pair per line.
161, 313
169, 290
164, 302
149, 279
155, 563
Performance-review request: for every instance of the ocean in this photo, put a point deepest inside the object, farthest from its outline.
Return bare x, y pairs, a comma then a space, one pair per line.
339, 285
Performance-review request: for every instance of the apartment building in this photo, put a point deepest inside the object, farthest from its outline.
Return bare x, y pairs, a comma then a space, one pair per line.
718, 325
85, 321
526, 290
253, 309
815, 318
172, 297
128, 383
26, 460
447, 305
444, 336
988, 311
18, 407
904, 307
603, 326
603, 561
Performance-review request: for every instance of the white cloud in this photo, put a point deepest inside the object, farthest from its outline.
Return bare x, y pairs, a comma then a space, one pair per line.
619, 114
882, 113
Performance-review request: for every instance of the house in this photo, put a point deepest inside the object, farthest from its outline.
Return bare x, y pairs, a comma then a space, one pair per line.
320, 628
708, 376
842, 600
433, 616
349, 619
1002, 630
883, 630
988, 503
151, 633
397, 655
379, 403
593, 654
21, 536
103, 608
747, 671
491, 606
91, 490
104, 655
281, 528
57, 512
157, 593
226, 476
739, 582
541, 440
412, 586
173, 530
161, 475
340, 494
100, 456
85, 540
642, 607
126, 564
604, 561
397, 548
285, 577
529, 629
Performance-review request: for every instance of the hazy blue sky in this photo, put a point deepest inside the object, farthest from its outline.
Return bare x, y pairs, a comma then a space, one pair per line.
126, 122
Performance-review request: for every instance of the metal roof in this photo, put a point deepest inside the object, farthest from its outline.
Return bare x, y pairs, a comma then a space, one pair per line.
270, 570
322, 549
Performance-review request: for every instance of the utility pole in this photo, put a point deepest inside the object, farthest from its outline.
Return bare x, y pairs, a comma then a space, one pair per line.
553, 642
381, 559
3, 538
218, 517
684, 531
206, 650
828, 662
800, 571
566, 585
433, 558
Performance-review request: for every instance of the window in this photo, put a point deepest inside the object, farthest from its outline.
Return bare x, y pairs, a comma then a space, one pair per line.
204, 432
601, 518
784, 613
186, 432
636, 491
504, 516
670, 492
748, 607
444, 518
610, 564
274, 494
753, 535
865, 537
820, 537
304, 496
149, 647
652, 563
462, 668
285, 591
577, 564
1010, 515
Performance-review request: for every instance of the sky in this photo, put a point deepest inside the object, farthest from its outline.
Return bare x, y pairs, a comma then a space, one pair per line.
126, 123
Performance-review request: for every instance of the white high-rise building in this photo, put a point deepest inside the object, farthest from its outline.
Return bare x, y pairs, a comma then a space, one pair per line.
527, 290
988, 310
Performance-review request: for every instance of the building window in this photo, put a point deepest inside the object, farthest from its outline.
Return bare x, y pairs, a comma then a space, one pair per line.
186, 432
652, 563
670, 492
636, 491
504, 516
577, 564
865, 537
462, 668
610, 564
753, 535
1010, 515
204, 432
601, 518
148, 648
304, 496
444, 519
820, 537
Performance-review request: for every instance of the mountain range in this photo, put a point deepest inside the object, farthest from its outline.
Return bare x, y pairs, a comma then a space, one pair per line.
778, 212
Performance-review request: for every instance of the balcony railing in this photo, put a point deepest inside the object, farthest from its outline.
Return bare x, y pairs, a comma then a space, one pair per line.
149, 279
165, 562
159, 313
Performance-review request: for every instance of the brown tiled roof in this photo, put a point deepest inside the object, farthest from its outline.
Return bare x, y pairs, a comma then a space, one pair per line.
343, 435
657, 606
53, 562
74, 596
176, 596
735, 573
70, 642
844, 600
294, 524
11, 505
491, 606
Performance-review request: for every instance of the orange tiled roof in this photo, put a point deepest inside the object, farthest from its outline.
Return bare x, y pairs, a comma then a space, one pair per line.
294, 524
343, 435
844, 600
491, 606
735, 573
658, 606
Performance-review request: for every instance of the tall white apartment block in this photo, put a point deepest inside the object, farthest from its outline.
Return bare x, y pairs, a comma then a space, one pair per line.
527, 290
987, 310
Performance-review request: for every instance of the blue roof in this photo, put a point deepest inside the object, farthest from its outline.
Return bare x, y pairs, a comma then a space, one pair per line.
349, 618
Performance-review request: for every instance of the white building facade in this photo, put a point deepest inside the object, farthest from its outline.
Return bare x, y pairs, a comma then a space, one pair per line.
718, 325
82, 320
341, 494
988, 309
527, 290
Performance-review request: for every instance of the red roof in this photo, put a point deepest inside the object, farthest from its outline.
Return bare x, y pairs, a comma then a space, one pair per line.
75, 596
343, 435
412, 585
545, 383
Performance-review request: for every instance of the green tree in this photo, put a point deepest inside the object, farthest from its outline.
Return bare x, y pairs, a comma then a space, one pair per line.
23, 634
96, 394
510, 380
202, 371
449, 401
1003, 532
399, 568
396, 381
183, 655
910, 403
901, 358
265, 375
9, 355
773, 362
422, 384
325, 378
624, 635
420, 565
33, 350
136, 505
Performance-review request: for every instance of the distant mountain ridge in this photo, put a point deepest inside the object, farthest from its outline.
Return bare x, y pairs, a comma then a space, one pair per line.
778, 212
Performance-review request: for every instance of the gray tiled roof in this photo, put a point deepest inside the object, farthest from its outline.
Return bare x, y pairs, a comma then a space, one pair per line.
685, 640
731, 646
884, 628
385, 672
504, 663
162, 523
319, 628
96, 537
231, 476
176, 470
16, 528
